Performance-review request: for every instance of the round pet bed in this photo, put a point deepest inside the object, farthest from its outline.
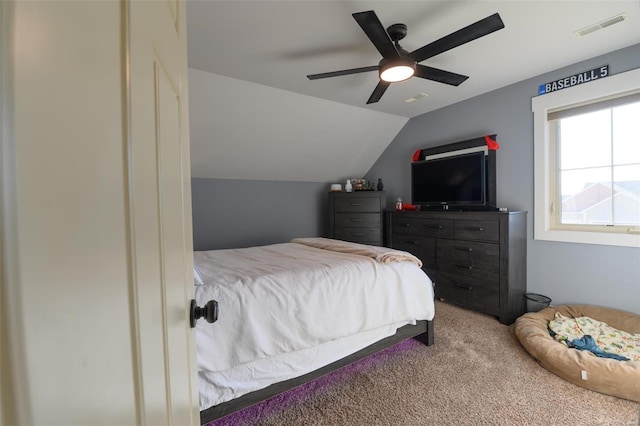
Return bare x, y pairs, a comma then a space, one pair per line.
609, 376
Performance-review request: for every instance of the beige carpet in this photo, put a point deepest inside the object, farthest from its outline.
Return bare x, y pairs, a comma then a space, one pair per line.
476, 374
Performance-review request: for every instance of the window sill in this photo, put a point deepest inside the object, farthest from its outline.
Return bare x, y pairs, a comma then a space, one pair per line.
584, 237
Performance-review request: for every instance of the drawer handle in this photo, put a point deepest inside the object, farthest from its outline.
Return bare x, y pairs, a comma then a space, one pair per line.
466, 287
434, 226
415, 243
356, 204
474, 228
357, 220
469, 267
406, 225
464, 248
357, 234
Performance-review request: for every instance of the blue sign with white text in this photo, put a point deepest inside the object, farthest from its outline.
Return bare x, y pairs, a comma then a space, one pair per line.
574, 80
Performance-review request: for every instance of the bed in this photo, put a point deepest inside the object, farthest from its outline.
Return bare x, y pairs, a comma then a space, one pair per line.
291, 312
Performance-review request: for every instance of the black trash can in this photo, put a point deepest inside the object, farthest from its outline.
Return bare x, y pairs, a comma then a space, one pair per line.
536, 302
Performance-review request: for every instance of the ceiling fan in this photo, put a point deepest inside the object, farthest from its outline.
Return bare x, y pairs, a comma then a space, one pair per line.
398, 65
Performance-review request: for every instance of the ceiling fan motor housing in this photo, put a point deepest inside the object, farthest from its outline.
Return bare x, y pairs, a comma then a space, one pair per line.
397, 31
404, 66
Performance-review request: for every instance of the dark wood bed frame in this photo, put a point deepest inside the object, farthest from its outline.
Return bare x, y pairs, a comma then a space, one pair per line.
423, 331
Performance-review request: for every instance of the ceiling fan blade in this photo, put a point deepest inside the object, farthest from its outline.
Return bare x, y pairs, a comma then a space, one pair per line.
378, 92
373, 28
343, 72
441, 76
469, 33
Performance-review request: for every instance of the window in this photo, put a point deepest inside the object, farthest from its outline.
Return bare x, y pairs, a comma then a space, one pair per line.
587, 162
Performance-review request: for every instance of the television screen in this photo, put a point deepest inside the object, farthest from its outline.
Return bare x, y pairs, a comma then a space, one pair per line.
453, 180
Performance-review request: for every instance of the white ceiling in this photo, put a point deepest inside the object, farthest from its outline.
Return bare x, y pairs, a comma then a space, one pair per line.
277, 43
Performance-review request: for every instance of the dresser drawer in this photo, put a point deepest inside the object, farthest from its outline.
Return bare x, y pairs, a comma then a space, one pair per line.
357, 204
473, 297
422, 248
359, 235
422, 227
481, 230
469, 263
357, 220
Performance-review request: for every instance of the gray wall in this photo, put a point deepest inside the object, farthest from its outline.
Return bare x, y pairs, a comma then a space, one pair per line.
231, 213
566, 272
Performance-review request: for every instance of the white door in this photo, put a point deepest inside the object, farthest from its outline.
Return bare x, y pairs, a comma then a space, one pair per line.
162, 221
96, 221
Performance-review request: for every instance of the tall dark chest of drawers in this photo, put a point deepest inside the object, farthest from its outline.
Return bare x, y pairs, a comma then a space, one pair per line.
357, 216
475, 259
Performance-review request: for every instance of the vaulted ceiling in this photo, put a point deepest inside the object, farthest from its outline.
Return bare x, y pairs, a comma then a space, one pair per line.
255, 115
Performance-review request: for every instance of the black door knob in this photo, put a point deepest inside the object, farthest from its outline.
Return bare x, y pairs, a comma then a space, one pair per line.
209, 312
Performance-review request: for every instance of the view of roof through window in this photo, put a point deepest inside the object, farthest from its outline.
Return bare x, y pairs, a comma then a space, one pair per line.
599, 167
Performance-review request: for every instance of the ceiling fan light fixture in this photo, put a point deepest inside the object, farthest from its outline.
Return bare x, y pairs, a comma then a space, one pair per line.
395, 71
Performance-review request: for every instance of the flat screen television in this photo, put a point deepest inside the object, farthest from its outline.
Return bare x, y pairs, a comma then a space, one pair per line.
458, 181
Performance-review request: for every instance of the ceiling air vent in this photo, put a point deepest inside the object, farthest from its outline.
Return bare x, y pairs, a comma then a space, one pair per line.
602, 24
415, 98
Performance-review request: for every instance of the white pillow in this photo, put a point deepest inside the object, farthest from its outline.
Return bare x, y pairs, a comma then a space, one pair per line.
197, 279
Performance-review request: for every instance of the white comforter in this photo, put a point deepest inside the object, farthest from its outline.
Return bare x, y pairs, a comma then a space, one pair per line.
285, 300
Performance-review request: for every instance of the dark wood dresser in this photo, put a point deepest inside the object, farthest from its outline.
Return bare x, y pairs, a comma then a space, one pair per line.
357, 216
476, 259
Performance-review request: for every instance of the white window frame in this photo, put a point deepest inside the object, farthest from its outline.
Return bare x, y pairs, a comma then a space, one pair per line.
544, 228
